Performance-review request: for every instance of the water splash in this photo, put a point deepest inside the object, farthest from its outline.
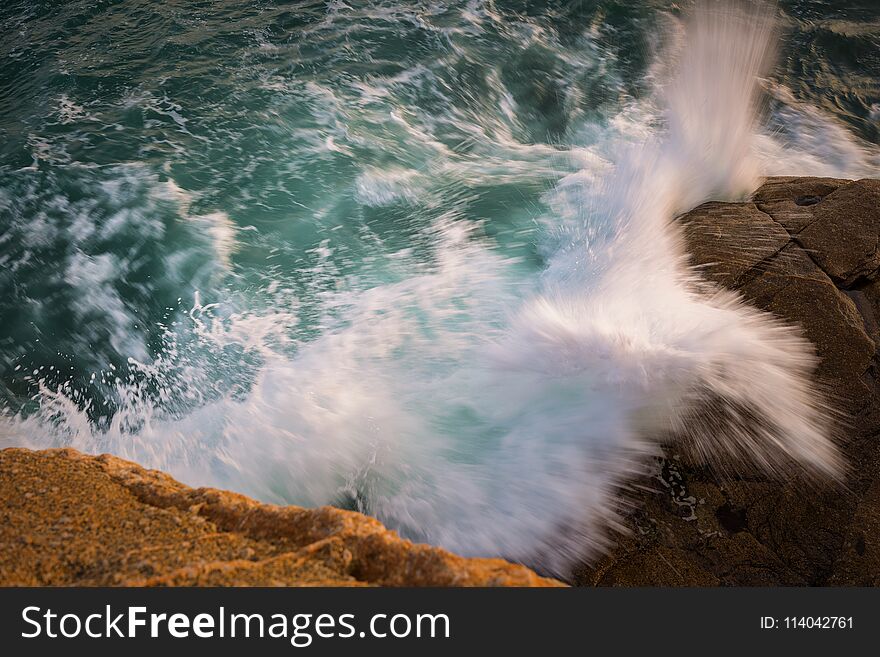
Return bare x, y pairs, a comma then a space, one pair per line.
442, 403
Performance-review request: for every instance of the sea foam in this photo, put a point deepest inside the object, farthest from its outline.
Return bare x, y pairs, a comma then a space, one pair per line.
467, 407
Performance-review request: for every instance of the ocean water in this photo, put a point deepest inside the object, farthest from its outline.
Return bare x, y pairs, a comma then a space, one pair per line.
415, 259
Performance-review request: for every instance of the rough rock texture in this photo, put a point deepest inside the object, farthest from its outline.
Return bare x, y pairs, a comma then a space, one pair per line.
71, 519
806, 250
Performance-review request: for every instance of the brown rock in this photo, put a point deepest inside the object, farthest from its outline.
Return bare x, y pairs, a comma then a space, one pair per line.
858, 558
102, 521
793, 287
806, 250
844, 233
728, 241
789, 199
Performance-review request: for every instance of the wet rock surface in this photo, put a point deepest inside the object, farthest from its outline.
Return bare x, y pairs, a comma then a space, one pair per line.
71, 519
806, 250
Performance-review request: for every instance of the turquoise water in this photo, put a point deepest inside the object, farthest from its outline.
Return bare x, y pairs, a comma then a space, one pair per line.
207, 203
289, 124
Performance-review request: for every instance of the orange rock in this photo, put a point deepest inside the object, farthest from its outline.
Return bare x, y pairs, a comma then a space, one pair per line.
73, 519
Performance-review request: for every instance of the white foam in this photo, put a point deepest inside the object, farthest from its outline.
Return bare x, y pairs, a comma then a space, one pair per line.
387, 185
473, 408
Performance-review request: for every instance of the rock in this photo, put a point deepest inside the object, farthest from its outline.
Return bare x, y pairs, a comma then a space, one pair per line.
730, 241
124, 525
844, 231
837, 222
806, 250
788, 200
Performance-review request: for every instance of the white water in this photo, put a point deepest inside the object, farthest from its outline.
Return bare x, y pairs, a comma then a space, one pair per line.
493, 416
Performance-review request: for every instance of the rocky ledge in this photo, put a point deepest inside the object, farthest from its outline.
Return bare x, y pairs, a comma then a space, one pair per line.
806, 250
72, 519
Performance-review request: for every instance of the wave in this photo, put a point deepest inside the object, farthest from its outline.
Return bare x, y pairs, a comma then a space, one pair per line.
438, 400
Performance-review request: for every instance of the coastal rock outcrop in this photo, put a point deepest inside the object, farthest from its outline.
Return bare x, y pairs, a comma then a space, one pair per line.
71, 519
806, 250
